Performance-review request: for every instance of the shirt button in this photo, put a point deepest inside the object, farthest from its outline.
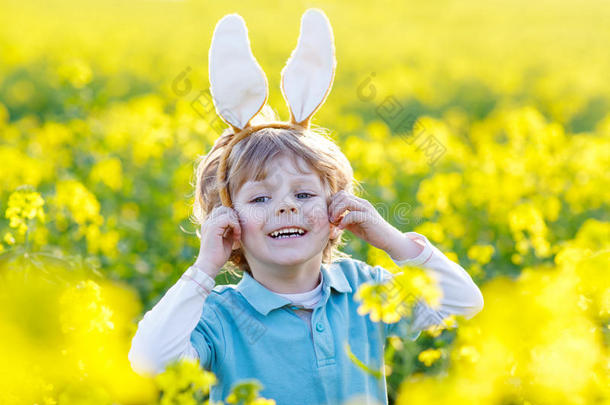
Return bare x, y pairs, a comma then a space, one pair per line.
319, 327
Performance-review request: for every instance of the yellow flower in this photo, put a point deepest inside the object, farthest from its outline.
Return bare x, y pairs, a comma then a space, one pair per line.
448, 323
481, 253
108, 172
429, 356
83, 206
468, 353
263, 401
9, 238
24, 204
182, 380
247, 391
390, 301
76, 71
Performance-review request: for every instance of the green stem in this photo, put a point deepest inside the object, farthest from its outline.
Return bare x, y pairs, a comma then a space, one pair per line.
359, 363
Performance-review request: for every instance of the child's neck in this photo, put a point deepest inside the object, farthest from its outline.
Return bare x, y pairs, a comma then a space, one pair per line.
289, 279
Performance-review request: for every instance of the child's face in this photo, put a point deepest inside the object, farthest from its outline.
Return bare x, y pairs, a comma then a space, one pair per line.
285, 198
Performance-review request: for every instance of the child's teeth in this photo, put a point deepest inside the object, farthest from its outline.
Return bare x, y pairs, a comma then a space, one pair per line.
287, 236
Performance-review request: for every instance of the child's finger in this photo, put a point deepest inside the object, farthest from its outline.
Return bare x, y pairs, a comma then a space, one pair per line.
350, 204
236, 230
352, 217
337, 197
332, 208
333, 200
232, 224
217, 211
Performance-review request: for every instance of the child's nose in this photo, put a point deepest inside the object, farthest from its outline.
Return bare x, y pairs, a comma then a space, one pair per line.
287, 204
290, 208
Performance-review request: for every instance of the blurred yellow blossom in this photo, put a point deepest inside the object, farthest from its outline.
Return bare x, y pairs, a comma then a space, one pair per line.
109, 172
246, 392
429, 356
481, 253
183, 380
394, 299
73, 197
76, 71
9, 239
24, 205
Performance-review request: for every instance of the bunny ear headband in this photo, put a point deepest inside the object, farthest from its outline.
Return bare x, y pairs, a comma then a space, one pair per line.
239, 86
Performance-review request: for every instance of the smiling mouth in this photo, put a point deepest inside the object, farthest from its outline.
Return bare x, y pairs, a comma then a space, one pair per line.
289, 235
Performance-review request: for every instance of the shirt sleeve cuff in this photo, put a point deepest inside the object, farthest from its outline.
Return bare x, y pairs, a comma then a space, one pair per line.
199, 277
423, 257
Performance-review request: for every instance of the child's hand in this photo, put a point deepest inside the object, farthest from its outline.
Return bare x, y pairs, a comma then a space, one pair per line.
220, 233
362, 220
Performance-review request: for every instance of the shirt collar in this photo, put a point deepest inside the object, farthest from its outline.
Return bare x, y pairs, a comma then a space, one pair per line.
265, 300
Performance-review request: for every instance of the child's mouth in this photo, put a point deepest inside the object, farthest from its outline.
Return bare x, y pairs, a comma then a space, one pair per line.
289, 236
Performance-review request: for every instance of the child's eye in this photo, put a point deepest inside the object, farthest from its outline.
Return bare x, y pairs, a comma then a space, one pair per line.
258, 198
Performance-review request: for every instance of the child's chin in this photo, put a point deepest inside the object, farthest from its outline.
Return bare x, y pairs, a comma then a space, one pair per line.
288, 260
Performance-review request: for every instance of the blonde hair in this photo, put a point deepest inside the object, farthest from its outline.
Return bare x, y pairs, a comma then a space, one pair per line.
247, 161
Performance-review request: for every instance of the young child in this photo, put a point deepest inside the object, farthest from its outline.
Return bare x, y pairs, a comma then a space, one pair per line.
273, 200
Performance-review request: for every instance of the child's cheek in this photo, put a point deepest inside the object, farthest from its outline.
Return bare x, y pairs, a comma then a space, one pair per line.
245, 223
317, 216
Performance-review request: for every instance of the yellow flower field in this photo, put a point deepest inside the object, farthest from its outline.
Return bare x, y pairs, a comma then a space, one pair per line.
483, 125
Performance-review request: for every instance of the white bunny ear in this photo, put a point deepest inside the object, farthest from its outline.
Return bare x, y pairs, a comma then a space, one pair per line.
308, 75
238, 84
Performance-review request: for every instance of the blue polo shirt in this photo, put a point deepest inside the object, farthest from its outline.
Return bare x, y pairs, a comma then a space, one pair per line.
247, 331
